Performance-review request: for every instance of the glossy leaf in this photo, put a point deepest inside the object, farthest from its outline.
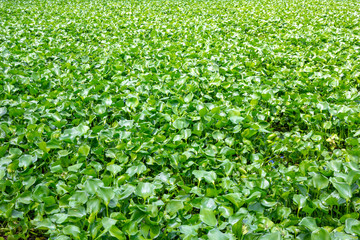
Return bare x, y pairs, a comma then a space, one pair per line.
208, 217
145, 190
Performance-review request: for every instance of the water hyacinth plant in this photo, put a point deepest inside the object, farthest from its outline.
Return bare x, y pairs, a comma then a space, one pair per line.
185, 119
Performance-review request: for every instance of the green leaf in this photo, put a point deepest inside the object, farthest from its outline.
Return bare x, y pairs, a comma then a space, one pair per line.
210, 177
3, 111
352, 176
271, 236
100, 109
136, 169
72, 230
93, 205
300, 200
2, 173
319, 181
84, 150
208, 217
63, 153
217, 135
132, 101
79, 197
188, 97
69, 135
53, 144
45, 224
283, 212
343, 189
128, 190
235, 198
145, 190
92, 185
309, 223
327, 125
215, 234
237, 228
235, 116
227, 151
117, 233
60, 218
186, 133
114, 169
181, 123
352, 226
3, 150
320, 233
198, 128
332, 199
106, 194
174, 206
26, 160
107, 223
15, 152
225, 211
342, 236
43, 147
75, 168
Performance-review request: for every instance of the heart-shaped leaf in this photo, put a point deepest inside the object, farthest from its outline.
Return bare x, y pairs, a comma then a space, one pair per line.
208, 217
145, 190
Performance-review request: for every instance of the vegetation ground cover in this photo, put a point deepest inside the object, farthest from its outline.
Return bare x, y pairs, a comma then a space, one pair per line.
185, 119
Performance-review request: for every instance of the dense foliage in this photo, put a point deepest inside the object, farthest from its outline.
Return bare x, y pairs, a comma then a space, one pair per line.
179, 119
